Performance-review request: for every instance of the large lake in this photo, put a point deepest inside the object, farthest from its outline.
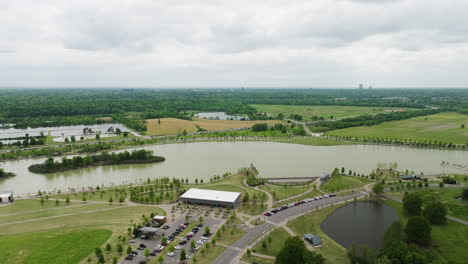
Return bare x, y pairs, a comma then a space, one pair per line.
202, 160
360, 223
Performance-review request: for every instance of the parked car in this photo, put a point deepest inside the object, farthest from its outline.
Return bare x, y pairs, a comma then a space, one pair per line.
134, 253
178, 247
170, 254
183, 242
200, 225
166, 227
267, 214
129, 257
142, 262
142, 245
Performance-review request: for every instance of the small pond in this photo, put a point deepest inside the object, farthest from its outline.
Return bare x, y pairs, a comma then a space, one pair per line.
361, 223
220, 116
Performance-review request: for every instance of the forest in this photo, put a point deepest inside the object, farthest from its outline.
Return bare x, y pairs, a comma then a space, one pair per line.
54, 107
77, 162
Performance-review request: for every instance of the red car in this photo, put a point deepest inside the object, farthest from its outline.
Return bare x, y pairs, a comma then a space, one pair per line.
267, 214
183, 242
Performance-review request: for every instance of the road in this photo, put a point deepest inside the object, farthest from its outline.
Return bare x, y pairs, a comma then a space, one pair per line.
234, 253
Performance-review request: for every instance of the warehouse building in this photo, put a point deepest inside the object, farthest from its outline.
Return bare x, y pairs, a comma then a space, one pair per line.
211, 197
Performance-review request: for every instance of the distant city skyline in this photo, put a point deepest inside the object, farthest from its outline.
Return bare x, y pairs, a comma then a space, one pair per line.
251, 44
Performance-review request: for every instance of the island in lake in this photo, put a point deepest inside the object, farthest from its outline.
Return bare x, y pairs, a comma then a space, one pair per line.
4, 174
79, 162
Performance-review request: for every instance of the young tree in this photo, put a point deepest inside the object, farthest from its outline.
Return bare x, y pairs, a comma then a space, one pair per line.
183, 255
108, 247
418, 230
248, 253
192, 245
119, 249
378, 188
207, 230
435, 213
264, 244
147, 253
129, 249
161, 259
115, 260
412, 204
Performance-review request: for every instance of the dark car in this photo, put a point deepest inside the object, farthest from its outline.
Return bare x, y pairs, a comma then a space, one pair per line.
153, 253
142, 262
200, 225
142, 245
183, 242
134, 253
166, 227
267, 214
129, 257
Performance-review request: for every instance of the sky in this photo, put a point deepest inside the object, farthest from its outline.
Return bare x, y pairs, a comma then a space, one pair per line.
218, 43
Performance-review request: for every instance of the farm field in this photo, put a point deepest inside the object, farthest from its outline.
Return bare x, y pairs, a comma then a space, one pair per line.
176, 126
325, 111
443, 127
343, 182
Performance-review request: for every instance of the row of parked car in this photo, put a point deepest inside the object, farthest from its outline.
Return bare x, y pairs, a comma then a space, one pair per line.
284, 207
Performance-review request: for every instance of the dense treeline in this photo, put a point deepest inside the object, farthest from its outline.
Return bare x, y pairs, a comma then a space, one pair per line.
26, 141
55, 107
125, 157
370, 120
397, 141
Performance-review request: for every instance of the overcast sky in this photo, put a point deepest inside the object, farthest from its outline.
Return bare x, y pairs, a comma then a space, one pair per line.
292, 43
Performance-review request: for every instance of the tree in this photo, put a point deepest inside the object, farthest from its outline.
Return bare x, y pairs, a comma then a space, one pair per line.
207, 230
161, 259
412, 204
418, 230
192, 244
183, 255
465, 194
264, 244
129, 249
67, 200
294, 251
378, 188
108, 247
119, 249
147, 253
435, 213
115, 260
248, 253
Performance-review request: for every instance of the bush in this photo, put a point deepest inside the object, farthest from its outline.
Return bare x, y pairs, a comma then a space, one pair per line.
259, 127
435, 213
412, 204
418, 230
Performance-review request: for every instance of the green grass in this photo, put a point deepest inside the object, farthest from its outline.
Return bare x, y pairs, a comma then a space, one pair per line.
307, 195
278, 236
27, 205
325, 111
310, 223
314, 141
448, 240
449, 196
51, 247
443, 127
210, 254
283, 192
342, 182
230, 235
253, 259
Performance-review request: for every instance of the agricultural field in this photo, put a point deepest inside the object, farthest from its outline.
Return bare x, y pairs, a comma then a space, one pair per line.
449, 196
325, 111
166, 126
343, 182
443, 127
310, 223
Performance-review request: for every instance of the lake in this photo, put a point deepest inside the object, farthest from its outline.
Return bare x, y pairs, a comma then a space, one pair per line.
202, 160
361, 223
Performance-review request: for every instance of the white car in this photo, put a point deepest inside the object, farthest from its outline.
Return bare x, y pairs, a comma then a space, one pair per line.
189, 257
178, 247
170, 254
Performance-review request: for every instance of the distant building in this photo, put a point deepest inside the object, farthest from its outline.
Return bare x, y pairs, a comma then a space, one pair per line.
408, 177
6, 197
325, 176
211, 197
160, 219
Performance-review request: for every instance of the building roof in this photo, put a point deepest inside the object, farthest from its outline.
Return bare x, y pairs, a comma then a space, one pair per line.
159, 217
149, 229
316, 241
6, 193
212, 195
410, 176
308, 237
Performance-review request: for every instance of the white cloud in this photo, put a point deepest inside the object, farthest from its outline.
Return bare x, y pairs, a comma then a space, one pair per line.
321, 43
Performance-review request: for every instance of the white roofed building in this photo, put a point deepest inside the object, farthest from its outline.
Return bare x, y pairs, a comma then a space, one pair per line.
6, 197
211, 197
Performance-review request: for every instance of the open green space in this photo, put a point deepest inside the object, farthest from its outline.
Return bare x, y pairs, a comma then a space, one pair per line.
448, 240
26, 205
302, 197
325, 111
343, 182
441, 127
314, 141
449, 196
229, 234
51, 247
274, 242
281, 192
258, 260
310, 223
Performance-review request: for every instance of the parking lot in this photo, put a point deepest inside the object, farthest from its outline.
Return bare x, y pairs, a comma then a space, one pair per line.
155, 243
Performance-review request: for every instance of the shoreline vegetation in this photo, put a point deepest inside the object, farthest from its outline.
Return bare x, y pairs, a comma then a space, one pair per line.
103, 159
5, 174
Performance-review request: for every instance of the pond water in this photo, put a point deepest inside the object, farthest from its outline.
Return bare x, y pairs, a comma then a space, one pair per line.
220, 116
360, 223
58, 131
202, 160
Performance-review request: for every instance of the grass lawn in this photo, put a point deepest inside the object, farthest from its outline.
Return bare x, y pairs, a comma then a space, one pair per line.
310, 223
314, 141
455, 207
343, 182
229, 235
98, 195
51, 247
210, 254
27, 205
283, 192
253, 259
448, 240
307, 195
176, 126
325, 111
278, 236
444, 127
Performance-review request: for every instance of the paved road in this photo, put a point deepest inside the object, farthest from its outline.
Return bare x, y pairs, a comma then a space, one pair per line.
233, 253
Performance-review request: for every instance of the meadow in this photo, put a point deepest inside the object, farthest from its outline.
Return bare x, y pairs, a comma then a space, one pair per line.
274, 242
167, 126
343, 182
443, 127
325, 111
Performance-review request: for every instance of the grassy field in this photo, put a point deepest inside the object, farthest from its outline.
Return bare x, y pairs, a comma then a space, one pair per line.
307, 195
449, 196
27, 205
283, 192
310, 223
444, 127
342, 182
51, 247
176, 126
448, 240
325, 111
278, 236
230, 235
258, 260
